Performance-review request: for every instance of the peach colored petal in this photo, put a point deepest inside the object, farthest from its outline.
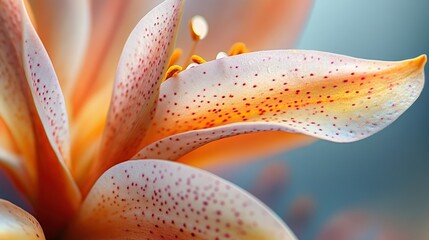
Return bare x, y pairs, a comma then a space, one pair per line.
14, 111
324, 95
64, 27
277, 24
139, 74
165, 200
111, 23
243, 148
15, 223
58, 195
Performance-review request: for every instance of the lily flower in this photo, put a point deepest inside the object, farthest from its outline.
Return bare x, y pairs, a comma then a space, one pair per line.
80, 182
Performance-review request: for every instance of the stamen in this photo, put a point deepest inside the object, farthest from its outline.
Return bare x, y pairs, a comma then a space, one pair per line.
238, 48
198, 59
172, 71
175, 56
199, 29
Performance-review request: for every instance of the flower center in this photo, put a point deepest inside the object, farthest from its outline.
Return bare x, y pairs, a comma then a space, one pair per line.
199, 29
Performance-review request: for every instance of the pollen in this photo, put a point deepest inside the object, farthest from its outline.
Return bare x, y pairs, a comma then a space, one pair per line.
238, 48
198, 59
172, 71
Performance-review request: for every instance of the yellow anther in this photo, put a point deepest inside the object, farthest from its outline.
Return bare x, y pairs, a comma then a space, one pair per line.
175, 56
198, 59
172, 71
199, 28
238, 48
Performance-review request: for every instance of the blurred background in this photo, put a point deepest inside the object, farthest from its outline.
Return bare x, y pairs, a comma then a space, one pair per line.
373, 189
377, 188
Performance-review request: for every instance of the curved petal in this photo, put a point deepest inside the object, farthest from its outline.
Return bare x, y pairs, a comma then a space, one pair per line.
176, 146
15, 223
242, 20
140, 71
58, 195
324, 95
64, 29
246, 147
165, 200
14, 111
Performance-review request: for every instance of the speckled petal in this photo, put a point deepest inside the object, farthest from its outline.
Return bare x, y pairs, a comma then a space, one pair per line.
139, 74
58, 195
15, 223
64, 28
327, 96
154, 199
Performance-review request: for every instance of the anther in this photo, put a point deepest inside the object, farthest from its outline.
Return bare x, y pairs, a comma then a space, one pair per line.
198, 59
238, 48
172, 71
199, 27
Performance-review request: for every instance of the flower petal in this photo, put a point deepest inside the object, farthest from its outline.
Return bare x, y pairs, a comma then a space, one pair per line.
111, 23
176, 146
328, 96
242, 20
140, 71
166, 200
58, 195
63, 27
14, 112
15, 223
246, 147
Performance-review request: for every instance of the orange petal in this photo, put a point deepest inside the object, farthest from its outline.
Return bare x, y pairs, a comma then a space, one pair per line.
14, 112
327, 96
156, 199
140, 71
111, 23
244, 148
58, 195
15, 223
64, 29
242, 20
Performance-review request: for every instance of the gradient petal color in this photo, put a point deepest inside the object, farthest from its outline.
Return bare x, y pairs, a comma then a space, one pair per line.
57, 190
164, 200
140, 72
111, 23
64, 29
15, 223
328, 96
14, 113
244, 148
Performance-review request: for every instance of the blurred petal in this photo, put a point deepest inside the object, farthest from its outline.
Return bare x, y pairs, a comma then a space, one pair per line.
15, 223
246, 147
63, 27
139, 74
11, 162
111, 23
327, 96
58, 195
14, 112
165, 200
242, 20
